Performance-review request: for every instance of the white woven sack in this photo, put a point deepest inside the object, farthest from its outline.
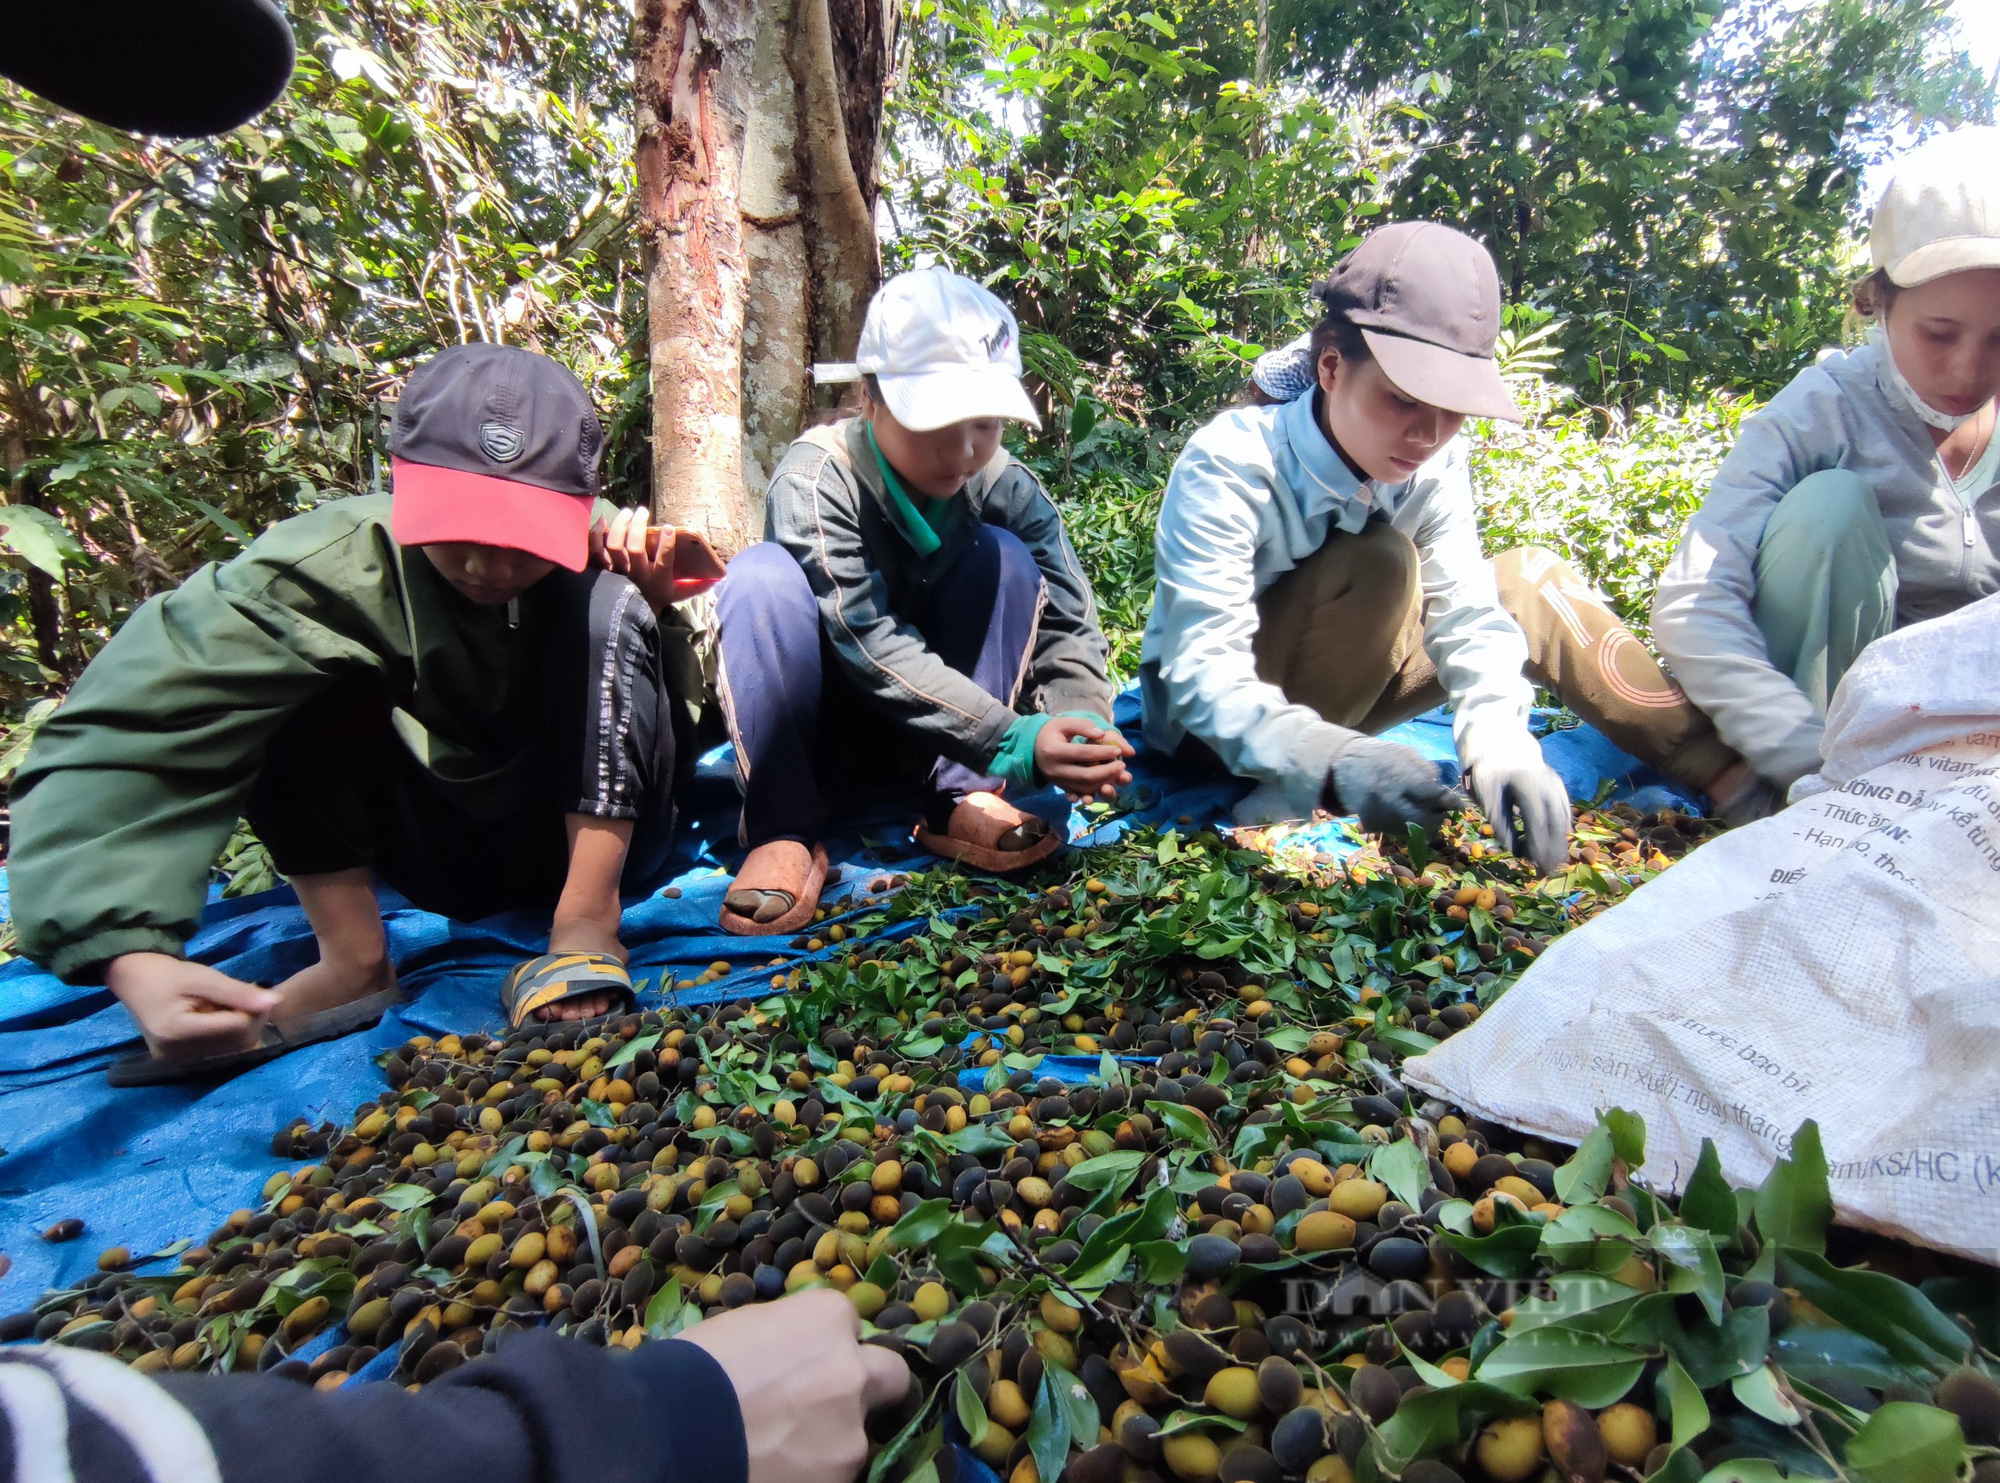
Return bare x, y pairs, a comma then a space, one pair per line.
1838, 961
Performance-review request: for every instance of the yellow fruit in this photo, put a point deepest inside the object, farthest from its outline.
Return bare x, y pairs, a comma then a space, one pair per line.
307, 1317
1629, 1433
1233, 1392
1315, 1176
1638, 1272
1059, 1316
1323, 1230
1519, 1188
529, 1248
995, 1445
1006, 1405
1459, 1159
1331, 1468
1192, 1457
931, 1302
1358, 1199
1482, 1211
1054, 1348
1509, 1448
867, 1298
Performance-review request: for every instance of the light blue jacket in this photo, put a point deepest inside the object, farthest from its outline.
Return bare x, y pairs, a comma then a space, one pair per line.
1254, 493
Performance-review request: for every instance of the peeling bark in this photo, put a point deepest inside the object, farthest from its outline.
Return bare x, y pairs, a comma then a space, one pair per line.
691, 86
759, 134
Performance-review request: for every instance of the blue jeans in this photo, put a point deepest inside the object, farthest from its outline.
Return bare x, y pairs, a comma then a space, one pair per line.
802, 728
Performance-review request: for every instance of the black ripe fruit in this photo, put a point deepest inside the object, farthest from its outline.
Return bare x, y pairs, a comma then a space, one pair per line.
1974, 1399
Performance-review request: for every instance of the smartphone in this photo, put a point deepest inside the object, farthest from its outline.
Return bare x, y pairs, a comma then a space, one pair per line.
695, 561
696, 566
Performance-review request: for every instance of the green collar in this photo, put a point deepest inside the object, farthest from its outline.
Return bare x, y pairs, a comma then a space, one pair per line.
915, 527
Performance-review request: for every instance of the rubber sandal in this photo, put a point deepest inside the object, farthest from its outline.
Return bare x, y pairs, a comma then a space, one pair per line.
554, 977
804, 891
328, 1024
978, 836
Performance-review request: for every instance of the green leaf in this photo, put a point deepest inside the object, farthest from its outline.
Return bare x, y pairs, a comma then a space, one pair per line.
970, 1408
1709, 1202
1189, 1126
1099, 1275
1048, 1427
221, 521
1188, 1421
1594, 1236
1760, 1392
1161, 1262
1892, 1313
1793, 1205
1904, 1442
921, 1226
1747, 1470
1583, 1367
1684, 1402
1510, 1250
1584, 1177
1697, 1268
631, 1048
1075, 1399
665, 1309
1628, 1136
405, 1196
1106, 1169
38, 538
1401, 1166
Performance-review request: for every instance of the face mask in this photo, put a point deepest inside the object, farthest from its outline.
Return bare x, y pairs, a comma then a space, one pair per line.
1944, 422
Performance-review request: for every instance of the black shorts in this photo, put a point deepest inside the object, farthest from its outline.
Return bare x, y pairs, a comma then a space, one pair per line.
339, 789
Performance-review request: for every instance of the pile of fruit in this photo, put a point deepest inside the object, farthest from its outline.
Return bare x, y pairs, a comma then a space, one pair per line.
1120, 1162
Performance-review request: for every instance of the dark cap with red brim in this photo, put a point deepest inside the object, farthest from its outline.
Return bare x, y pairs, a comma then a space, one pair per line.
1427, 301
496, 447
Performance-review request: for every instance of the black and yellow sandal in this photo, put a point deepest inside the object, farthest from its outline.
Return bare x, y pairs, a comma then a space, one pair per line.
554, 977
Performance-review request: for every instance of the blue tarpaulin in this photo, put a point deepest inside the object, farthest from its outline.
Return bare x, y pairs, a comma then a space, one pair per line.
144, 1167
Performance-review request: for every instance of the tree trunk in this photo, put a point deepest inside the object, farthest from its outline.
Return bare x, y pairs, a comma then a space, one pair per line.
692, 94
759, 126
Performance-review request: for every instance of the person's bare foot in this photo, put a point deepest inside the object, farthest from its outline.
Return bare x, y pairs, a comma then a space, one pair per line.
328, 984
584, 934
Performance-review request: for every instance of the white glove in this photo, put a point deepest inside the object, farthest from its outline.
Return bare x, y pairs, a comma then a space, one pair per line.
1519, 779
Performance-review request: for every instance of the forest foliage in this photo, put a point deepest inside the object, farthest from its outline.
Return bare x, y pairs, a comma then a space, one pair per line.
198, 339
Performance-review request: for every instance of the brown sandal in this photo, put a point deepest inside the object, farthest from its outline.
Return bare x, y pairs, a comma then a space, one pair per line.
776, 891
989, 833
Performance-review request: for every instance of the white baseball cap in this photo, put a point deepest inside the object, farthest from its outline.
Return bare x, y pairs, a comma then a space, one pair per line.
943, 349
1941, 212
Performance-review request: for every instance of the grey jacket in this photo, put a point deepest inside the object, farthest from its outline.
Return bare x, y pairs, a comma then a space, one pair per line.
827, 507
1839, 414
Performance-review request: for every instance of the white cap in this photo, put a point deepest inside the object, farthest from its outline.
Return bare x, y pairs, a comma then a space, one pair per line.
943, 349
1941, 212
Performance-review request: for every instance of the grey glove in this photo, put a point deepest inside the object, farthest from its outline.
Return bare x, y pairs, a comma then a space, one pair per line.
1535, 789
1389, 785
1757, 798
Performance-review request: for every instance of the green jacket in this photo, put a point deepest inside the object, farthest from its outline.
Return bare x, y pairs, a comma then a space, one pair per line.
134, 784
